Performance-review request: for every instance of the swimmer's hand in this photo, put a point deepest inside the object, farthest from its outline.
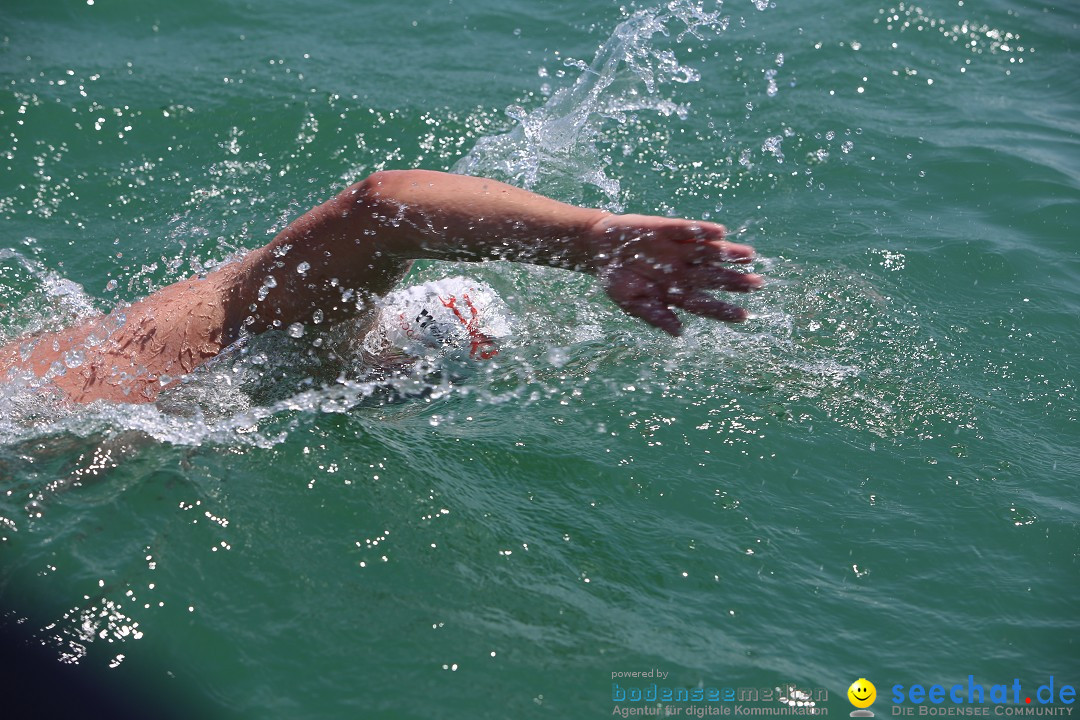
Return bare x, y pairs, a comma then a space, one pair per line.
650, 265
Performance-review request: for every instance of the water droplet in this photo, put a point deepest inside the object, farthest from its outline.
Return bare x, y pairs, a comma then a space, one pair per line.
770, 77
268, 284
558, 357
317, 316
772, 145
74, 358
296, 330
303, 267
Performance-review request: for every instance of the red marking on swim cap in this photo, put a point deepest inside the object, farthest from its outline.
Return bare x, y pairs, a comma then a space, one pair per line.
477, 339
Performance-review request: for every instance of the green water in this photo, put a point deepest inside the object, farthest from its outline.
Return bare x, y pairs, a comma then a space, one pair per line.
876, 477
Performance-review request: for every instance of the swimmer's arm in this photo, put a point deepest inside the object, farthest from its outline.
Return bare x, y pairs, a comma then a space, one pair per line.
361, 243
365, 237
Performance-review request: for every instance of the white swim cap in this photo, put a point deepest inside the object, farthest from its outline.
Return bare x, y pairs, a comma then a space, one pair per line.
455, 316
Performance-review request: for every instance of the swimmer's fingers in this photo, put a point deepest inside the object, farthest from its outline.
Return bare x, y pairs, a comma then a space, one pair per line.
657, 314
719, 251
643, 298
653, 266
733, 252
669, 244
700, 270
705, 305
707, 277
709, 241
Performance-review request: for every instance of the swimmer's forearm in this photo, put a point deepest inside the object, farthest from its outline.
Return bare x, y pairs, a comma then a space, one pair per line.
426, 214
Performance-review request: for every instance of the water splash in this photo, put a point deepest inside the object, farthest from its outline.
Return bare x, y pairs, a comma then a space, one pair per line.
556, 148
52, 302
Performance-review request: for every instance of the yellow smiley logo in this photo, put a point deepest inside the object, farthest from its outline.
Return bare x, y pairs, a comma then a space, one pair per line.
862, 693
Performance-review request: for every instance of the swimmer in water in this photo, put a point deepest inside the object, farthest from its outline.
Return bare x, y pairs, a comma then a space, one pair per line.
339, 255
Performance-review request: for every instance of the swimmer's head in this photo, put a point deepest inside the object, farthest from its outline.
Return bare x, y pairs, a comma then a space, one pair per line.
455, 317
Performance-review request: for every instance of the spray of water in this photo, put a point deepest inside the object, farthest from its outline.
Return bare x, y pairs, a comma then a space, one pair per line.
556, 148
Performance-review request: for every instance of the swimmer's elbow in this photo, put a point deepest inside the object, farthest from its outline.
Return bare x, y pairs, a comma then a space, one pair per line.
378, 204
378, 188
357, 196
375, 213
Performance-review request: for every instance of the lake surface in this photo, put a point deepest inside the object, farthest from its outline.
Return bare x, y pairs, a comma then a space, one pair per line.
875, 477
